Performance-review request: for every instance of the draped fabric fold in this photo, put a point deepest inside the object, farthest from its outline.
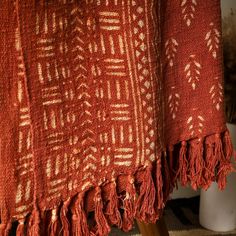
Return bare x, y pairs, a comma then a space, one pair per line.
104, 106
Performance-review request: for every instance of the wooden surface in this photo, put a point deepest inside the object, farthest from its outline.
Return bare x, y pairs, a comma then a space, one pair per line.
158, 229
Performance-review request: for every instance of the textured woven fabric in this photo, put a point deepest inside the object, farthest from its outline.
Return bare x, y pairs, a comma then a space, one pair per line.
104, 105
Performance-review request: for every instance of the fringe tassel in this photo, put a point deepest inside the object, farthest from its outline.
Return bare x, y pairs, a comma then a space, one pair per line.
5, 228
2, 229
112, 209
20, 228
145, 208
34, 228
159, 183
79, 218
196, 163
129, 205
228, 146
44, 222
183, 164
208, 160
5, 219
102, 226
63, 218
8, 229
224, 170
54, 224
225, 166
211, 162
200, 162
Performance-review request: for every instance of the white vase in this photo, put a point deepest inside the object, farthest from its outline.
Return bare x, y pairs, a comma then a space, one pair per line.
218, 208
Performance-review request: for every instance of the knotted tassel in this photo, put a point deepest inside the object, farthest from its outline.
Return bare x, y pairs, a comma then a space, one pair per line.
63, 218
54, 224
197, 164
159, 183
5, 228
102, 226
211, 162
228, 146
224, 170
225, 166
79, 218
183, 164
112, 208
6, 223
34, 222
145, 209
2, 229
20, 228
129, 205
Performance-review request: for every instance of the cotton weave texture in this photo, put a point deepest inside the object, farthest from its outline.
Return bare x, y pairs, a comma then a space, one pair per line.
104, 106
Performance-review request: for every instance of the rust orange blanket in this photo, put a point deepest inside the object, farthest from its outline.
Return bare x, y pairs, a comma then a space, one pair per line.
104, 106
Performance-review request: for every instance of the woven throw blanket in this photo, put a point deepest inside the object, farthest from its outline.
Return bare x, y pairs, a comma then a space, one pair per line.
104, 106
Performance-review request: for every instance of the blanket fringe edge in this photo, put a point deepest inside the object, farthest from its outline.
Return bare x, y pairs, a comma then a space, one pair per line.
197, 162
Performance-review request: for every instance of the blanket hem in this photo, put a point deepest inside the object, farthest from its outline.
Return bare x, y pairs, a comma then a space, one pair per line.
200, 162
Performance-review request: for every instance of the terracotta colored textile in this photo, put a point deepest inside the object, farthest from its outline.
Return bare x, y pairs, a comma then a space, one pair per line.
104, 105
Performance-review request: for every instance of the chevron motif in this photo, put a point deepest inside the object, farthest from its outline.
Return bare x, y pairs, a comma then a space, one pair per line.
83, 91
